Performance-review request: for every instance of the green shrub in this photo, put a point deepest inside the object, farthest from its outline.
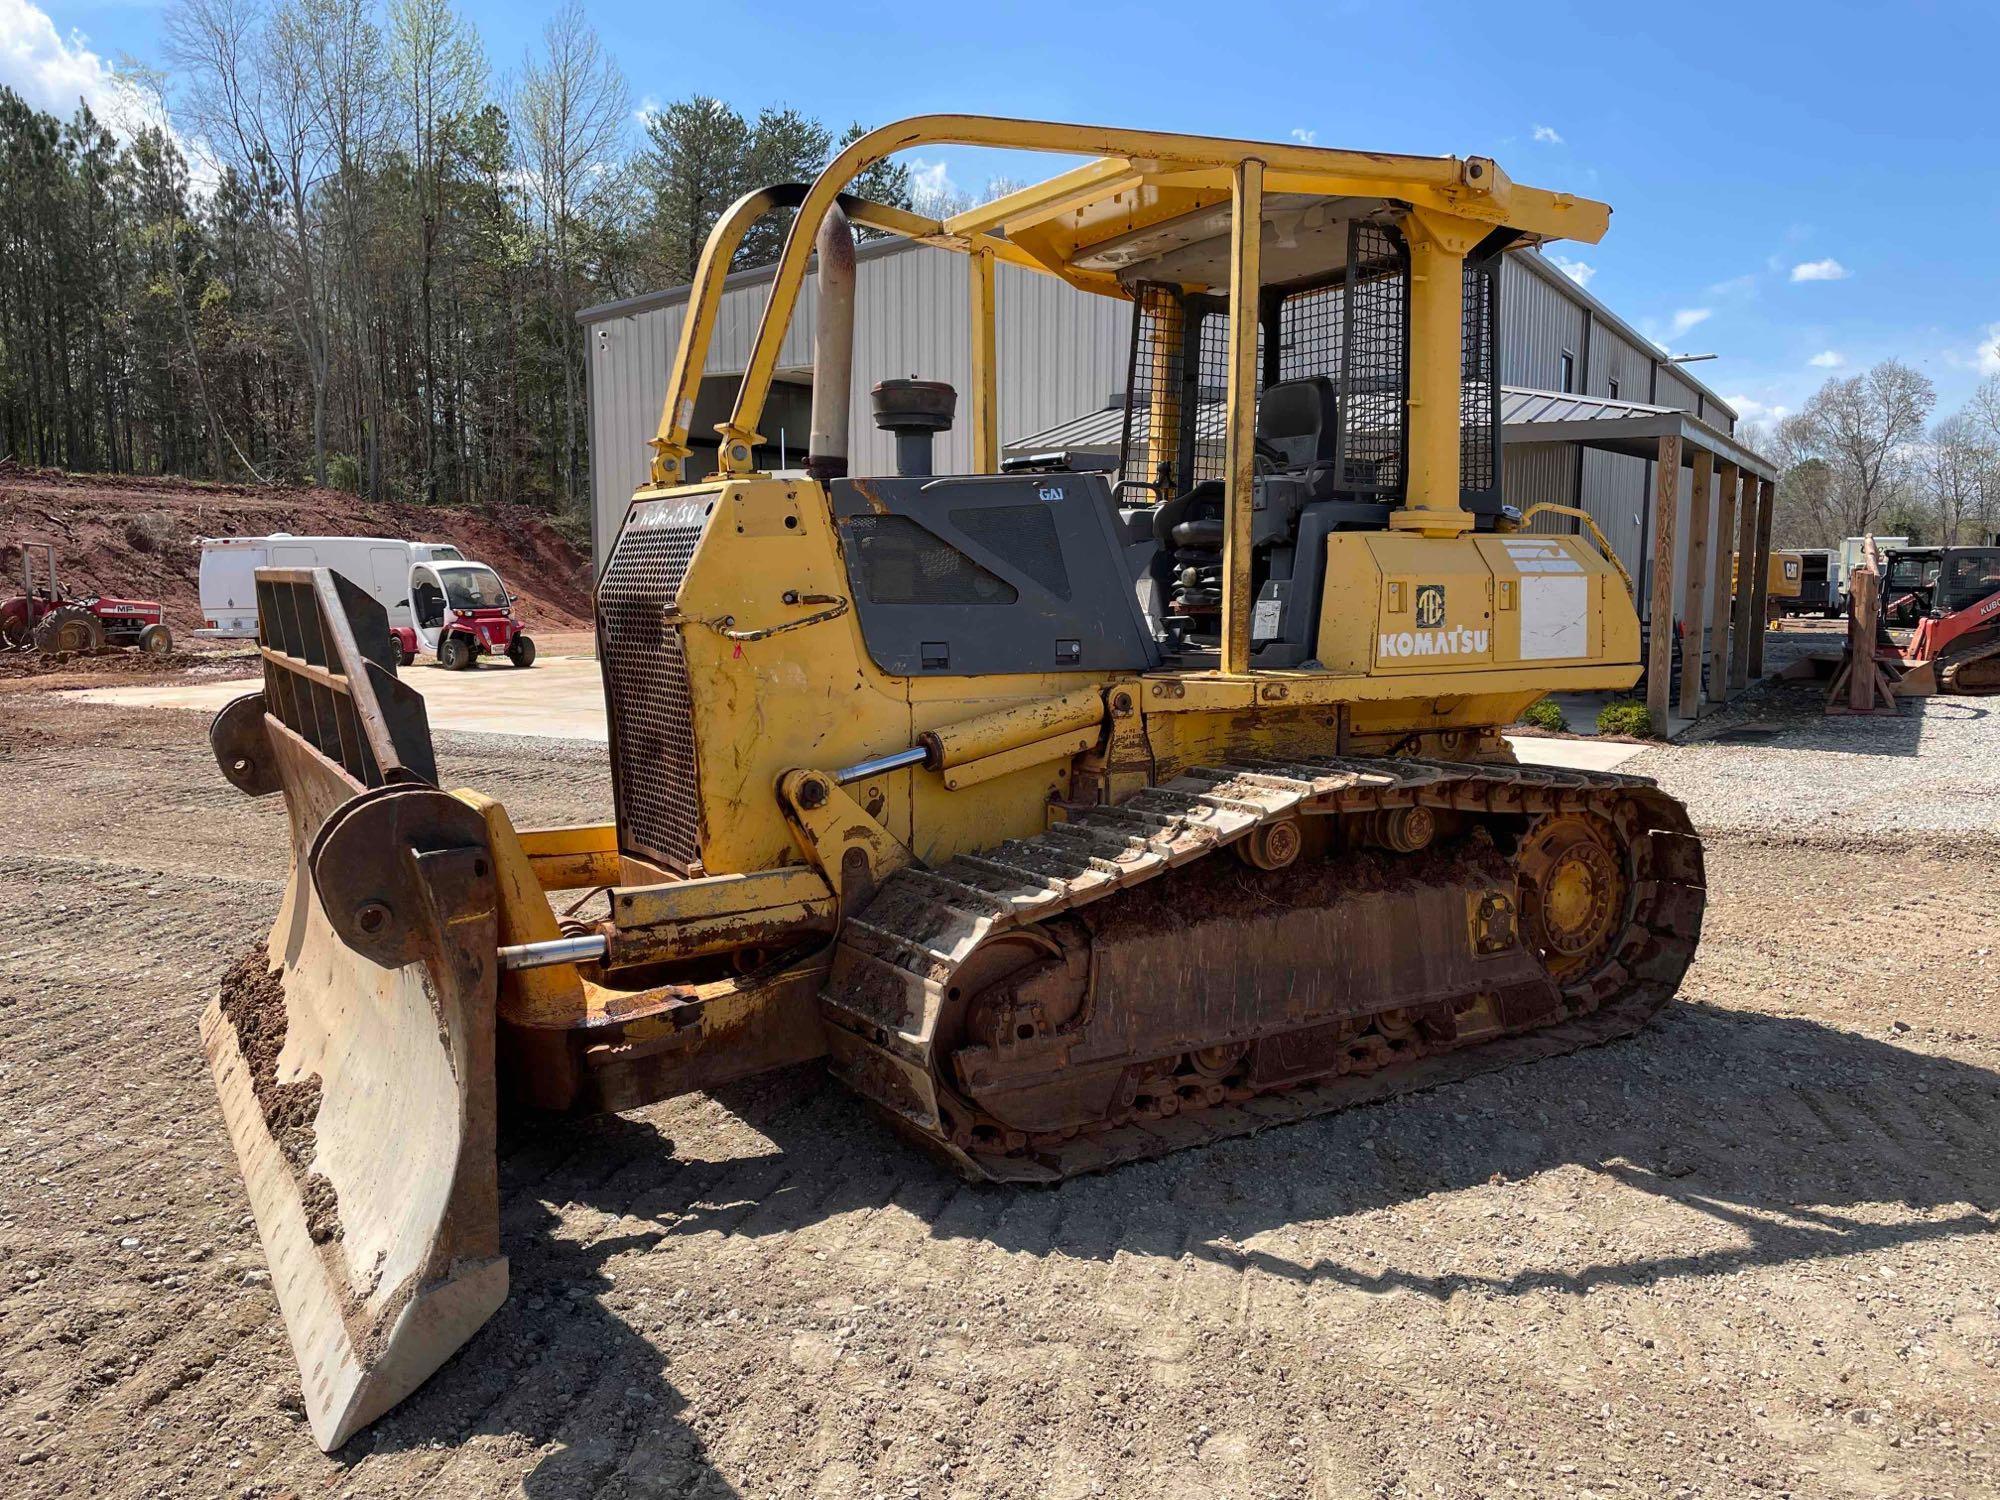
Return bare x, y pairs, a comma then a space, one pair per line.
1624, 716
343, 472
1543, 714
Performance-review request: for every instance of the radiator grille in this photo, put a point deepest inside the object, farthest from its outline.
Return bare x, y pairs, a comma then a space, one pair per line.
653, 777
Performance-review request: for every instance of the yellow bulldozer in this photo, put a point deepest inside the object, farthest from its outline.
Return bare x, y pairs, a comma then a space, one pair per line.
1073, 813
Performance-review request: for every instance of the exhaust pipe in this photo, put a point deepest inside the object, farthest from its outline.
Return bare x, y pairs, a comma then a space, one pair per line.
833, 348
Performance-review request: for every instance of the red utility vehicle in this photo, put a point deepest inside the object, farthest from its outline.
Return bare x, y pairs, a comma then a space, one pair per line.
51, 619
462, 612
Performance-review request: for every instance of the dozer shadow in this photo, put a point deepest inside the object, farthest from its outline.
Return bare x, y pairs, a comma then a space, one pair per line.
557, 1365
1773, 1125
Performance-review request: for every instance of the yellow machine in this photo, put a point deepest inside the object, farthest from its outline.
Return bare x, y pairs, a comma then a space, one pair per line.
1072, 814
1785, 579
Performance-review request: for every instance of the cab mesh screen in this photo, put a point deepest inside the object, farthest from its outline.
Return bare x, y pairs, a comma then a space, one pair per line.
1479, 391
902, 563
1153, 390
1374, 372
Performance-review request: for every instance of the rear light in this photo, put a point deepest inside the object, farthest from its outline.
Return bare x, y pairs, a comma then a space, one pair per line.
210, 625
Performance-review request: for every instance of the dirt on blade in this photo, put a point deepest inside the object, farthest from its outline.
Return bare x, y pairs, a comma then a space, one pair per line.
253, 1001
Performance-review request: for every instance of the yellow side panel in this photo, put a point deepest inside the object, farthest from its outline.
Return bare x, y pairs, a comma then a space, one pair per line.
947, 822
1788, 575
811, 697
1548, 599
802, 697
1397, 605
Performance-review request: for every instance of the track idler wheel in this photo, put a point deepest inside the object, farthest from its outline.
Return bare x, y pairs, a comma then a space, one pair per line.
1574, 890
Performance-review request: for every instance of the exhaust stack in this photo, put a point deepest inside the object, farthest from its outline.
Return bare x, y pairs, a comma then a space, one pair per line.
833, 348
914, 410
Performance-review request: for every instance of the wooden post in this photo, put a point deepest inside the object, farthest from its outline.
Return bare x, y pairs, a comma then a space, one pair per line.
1861, 686
1694, 601
1246, 246
1746, 549
1761, 582
1660, 639
985, 382
1720, 589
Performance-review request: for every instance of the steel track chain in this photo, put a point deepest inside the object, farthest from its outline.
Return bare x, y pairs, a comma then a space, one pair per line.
894, 963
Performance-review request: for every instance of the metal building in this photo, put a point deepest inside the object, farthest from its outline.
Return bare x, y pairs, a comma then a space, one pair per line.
1063, 366
1060, 352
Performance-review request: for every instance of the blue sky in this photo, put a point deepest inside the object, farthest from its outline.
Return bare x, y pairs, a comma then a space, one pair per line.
1801, 189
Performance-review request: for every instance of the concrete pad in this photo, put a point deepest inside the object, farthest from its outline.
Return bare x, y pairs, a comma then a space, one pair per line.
562, 697
559, 697
1577, 755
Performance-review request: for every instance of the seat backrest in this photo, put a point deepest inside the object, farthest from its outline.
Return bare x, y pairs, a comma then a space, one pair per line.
1299, 419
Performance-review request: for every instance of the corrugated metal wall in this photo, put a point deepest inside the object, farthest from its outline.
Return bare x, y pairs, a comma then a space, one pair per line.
1063, 353
1538, 324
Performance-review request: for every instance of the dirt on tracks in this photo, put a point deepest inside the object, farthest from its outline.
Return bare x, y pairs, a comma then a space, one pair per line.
1748, 1252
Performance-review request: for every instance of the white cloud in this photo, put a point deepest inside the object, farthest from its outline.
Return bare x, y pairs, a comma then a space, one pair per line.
931, 180
52, 71
1688, 317
1304, 136
1989, 351
1820, 270
1827, 359
1735, 286
1546, 134
649, 104
1578, 271
1750, 409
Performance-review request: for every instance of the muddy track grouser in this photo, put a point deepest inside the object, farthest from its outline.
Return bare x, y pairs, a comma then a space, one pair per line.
1075, 809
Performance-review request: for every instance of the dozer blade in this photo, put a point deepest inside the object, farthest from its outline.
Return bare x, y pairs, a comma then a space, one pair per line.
354, 1052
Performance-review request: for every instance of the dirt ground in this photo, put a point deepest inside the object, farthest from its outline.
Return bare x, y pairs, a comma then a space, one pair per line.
1750, 1252
140, 537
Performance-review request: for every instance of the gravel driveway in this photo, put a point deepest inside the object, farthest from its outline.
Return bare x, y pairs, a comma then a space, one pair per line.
1749, 1252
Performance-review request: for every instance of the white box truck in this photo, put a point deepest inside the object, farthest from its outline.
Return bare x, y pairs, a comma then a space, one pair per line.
1852, 550
379, 564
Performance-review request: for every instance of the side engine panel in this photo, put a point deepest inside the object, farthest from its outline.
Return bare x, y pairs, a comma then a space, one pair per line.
991, 575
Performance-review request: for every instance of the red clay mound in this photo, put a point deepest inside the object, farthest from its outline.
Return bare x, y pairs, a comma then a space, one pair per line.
140, 536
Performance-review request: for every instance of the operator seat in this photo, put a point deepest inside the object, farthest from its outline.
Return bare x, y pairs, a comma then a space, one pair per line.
1297, 427
1300, 419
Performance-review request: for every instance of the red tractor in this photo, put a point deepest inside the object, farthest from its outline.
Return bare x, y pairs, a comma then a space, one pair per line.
51, 619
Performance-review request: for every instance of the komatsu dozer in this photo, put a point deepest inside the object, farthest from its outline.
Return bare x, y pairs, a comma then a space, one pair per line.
1074, 809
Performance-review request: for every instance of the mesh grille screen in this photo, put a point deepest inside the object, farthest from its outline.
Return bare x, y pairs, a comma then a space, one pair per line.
1478, 412
1373, 384
1025, 535
1211, 442
1153, 387
1309, 327
646, 682
902, 563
